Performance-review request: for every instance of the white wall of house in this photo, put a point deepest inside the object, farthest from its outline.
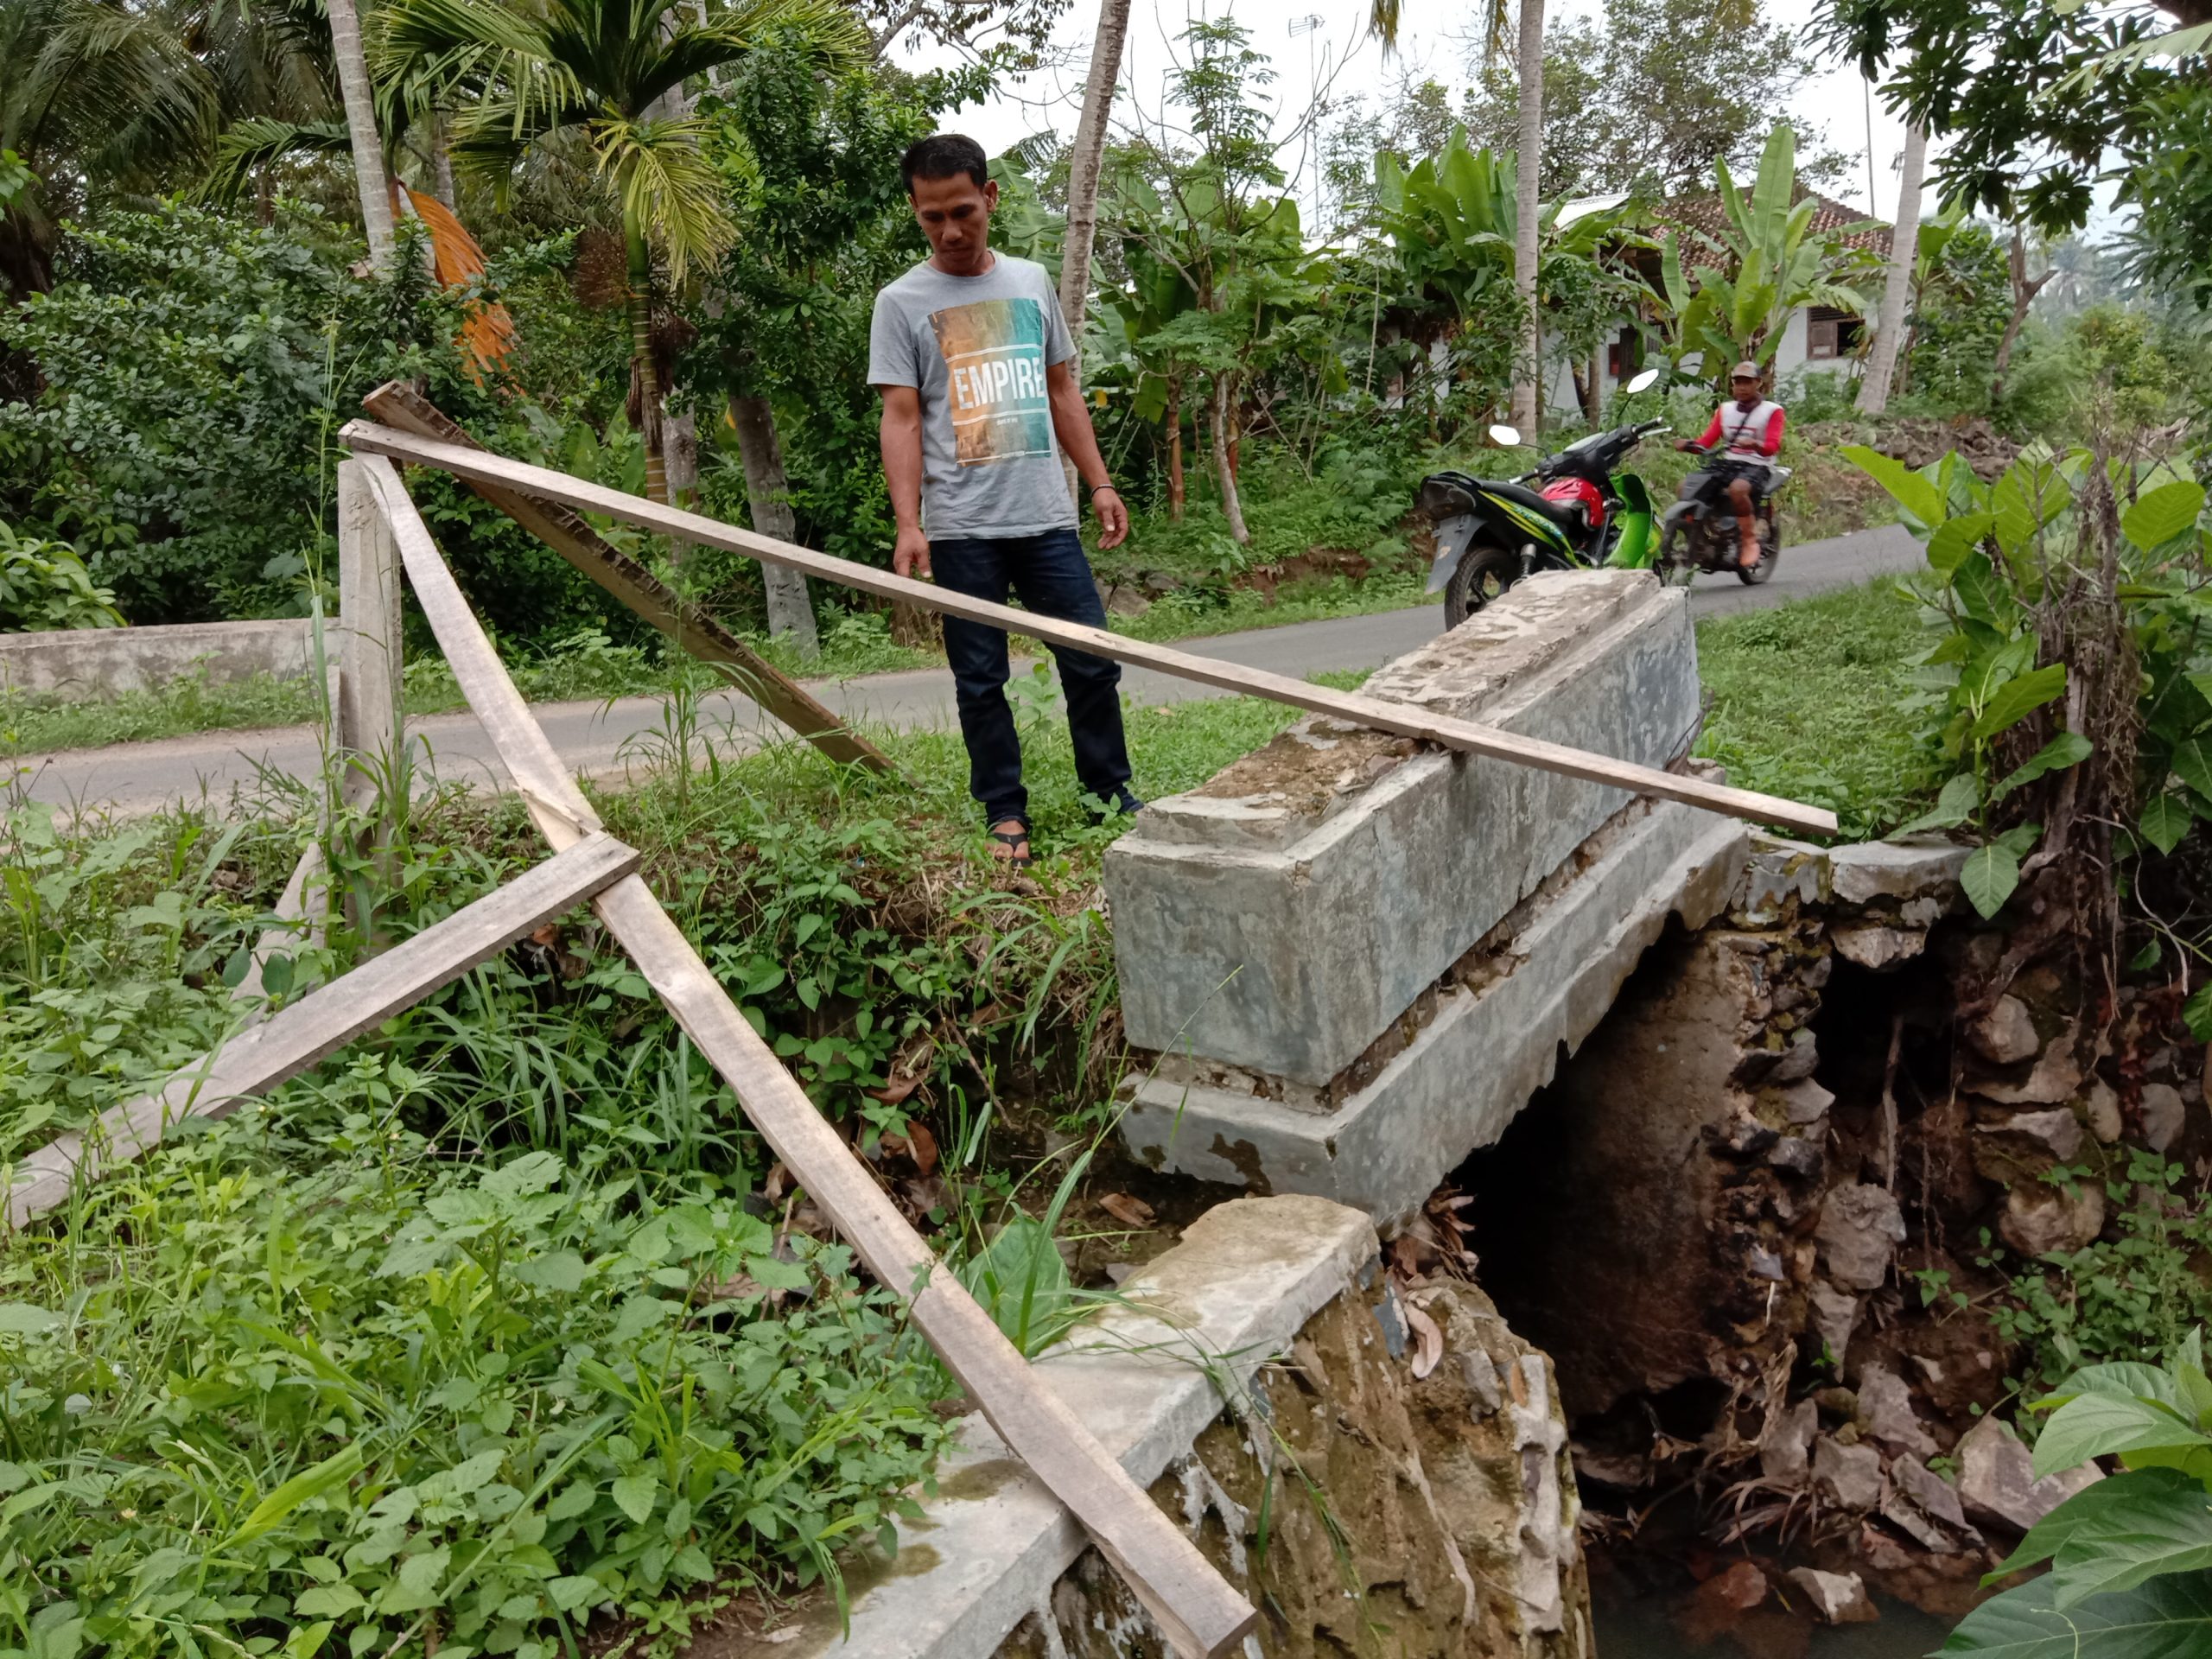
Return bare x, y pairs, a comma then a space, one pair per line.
1791, 358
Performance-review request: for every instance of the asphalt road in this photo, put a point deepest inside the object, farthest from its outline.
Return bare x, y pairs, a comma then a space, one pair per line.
606, 741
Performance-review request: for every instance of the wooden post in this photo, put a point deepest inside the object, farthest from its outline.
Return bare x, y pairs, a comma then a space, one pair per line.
369, 739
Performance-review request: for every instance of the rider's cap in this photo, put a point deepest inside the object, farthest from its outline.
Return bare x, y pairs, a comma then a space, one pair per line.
1746, 370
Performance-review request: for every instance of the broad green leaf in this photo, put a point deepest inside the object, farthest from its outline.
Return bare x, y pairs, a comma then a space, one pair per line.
2166, 1618
1914, 493
23, 1319
2164, 821
1990, 875
2124, 1379
2104, 1426
2019, 698
2160, 515
328, 1601
633, 1494
2048, 1535
1982, 593
570, 1593
518, 1178
574, 1499
559, 1270
306, 1640
1953, 539
2192, 764
333, 1471
772, 1272
2066, 749
1961, 797
2128, 1544
2196, 1013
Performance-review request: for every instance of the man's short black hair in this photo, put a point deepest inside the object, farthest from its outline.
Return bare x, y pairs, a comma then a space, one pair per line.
943, 156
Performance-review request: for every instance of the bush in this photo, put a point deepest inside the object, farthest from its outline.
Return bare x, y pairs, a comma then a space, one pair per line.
44, 585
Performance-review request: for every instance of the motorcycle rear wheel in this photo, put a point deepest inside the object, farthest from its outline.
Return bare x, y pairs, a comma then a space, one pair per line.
1674, 567
1485, 573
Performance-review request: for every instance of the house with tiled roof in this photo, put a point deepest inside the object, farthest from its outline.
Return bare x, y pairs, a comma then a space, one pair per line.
1817, 337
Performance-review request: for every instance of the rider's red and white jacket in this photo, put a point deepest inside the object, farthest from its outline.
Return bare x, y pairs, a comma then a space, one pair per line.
1756, 431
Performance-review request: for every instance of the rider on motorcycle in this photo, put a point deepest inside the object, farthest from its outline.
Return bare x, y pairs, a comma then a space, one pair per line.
1751, 428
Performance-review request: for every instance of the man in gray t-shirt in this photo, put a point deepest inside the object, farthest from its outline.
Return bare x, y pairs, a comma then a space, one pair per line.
972, 355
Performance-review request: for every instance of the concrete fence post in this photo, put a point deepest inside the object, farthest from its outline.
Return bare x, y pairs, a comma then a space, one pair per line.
368, 739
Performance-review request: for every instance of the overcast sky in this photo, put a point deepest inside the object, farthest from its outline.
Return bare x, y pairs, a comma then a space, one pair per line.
1338, 52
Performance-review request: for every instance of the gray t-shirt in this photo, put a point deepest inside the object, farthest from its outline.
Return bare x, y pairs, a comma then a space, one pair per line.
977, 348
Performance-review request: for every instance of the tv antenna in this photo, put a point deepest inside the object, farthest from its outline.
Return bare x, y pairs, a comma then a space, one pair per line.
1311, 25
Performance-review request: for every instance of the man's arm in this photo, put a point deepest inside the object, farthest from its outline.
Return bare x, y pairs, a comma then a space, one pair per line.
1705, 439
1072, 425
902, 471
1770, 445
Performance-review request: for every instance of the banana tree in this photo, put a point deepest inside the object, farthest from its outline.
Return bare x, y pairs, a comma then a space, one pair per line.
1769, 262
517, 76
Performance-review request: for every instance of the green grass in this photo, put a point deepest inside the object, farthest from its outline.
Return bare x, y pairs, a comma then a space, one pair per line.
1812, 700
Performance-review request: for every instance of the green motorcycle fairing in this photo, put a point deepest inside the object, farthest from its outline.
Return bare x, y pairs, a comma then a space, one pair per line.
1539, 528
1635, 548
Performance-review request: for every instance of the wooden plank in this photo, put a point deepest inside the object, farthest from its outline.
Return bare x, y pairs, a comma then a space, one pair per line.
318, 1024
1405, 720
399, 405
1197, 1609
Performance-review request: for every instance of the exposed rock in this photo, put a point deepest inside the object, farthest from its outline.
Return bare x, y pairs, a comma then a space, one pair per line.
1907, 1519
1885, 1412
2103, 1109
1909, 868
1935, 1496
1837, 1598
1860, 1229
2163, 1116
2055, 1129
1798, 1155
1996, 1478
2005, 1035
2040, 1219
1786, 1448
1876, 947
1798, 1059
1764, 1264
1851, 1476
1805, 1102
2057, 1078
1835, 1316
1742, 1587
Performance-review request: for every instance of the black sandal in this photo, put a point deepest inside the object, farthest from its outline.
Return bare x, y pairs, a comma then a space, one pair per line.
1012, 840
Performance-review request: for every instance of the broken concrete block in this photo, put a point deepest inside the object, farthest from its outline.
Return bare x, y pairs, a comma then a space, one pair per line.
2163, 1116
2016, 1145
1860, 1229
1885, 1412
1837, 1598
1805, 1102
1996, 1478
1851, 1476
1786, 1448
1798, 1156
2039, 1220
2007, 1034
1874, 946
2055, 1079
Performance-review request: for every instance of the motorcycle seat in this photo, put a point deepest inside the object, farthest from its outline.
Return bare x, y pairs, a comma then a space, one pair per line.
1443, 495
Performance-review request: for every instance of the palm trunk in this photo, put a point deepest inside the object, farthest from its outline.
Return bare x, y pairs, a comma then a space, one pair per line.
1226, 475
679, 448
359, 97
643, 375
1528, 397
1904, 246
1083, 185
1176, 494
441, 164
768, 493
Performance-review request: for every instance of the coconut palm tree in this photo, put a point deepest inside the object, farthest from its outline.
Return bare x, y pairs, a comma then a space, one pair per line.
95, 92
1904, 239
515, 75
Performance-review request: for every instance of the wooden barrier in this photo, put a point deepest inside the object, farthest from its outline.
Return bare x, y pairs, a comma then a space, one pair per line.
1405, 720
1197, 1610
400, 406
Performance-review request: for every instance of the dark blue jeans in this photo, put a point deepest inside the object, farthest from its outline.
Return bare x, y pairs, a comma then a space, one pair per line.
1051, 576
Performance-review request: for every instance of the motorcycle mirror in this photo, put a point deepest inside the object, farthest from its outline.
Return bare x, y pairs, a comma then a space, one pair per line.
1643, 382
1507, 436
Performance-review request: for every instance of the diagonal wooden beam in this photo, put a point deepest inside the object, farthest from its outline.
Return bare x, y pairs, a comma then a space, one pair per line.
398, 405
1197, 1609
288, 1042
1405, 720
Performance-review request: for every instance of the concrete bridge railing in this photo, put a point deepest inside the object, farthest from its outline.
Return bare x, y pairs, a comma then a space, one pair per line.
1355, 960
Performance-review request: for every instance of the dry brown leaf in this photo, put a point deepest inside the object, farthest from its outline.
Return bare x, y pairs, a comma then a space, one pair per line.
921, 1145
1129, 1211
1428, 1341
894, 1092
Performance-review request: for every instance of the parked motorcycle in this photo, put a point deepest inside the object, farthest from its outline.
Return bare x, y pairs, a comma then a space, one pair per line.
1581, 512
1699, 533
